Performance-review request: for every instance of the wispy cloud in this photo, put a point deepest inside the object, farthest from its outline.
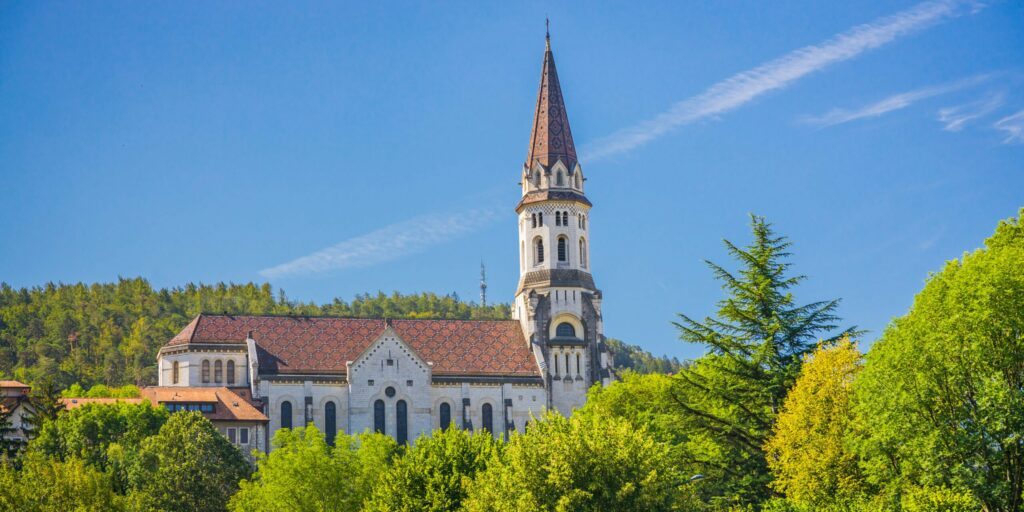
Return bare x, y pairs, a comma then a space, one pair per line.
1013, 125
741, 88
386, 244
955, 118
894, 102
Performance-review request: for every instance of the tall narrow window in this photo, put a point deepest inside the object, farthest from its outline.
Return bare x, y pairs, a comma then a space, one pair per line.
174, 372
534, 217
330, 422
579, 184
286, 414
206, 371
487, 419
378, 416
218, 371
401, 422
446, 415
539, 251
567, 372
578, 372
231, 373
558, 218
540, 219
562, 252
557, 373
558, 179
583, 253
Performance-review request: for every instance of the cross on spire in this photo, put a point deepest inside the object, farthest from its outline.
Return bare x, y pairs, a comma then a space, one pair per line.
550, 139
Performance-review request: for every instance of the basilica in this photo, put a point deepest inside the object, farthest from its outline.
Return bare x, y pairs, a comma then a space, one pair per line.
408, 377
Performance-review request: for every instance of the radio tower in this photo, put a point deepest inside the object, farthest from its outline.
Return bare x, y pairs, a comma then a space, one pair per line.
483, 284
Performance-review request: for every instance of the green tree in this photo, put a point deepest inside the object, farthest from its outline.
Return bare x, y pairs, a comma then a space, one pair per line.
940, 402
729, 398
89, 431
635, 358
582, 463
44, 405
304, 474
45, 485
807, 453
187, 466
435, 473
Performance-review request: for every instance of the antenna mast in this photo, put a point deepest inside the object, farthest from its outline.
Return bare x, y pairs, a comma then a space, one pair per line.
483, 284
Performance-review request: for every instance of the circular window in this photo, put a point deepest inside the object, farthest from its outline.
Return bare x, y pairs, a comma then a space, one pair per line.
390, 392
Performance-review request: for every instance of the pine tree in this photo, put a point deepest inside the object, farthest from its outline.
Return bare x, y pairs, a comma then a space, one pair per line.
43, 405
730, 397
9, 446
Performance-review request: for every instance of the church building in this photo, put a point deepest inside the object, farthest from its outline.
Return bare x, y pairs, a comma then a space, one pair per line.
408, 377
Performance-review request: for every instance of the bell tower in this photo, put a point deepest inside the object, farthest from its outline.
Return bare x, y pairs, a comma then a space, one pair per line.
557, 303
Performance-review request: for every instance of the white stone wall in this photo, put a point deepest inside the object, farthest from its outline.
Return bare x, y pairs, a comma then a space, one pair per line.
190, 368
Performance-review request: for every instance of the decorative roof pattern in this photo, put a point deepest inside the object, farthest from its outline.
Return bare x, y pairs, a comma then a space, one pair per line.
322, 345
540, 196
550, 139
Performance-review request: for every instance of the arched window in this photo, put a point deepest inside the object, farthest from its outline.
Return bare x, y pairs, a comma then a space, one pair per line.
562, 252
174, 372
538, 244
558, 179
488, 418
540, 219
565, 330
402, 422
446, 415
218, 371
286, 414
330, 422
558, 218
378, 416
231, 373
534, 217
206, 371
583, 253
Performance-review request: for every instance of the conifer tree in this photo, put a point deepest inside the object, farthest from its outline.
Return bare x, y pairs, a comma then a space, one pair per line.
730, 397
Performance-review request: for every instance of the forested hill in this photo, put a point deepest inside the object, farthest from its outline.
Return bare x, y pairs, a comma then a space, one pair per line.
109, 333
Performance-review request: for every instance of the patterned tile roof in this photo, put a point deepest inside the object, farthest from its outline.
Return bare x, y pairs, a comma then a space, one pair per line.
550, 138
322, 345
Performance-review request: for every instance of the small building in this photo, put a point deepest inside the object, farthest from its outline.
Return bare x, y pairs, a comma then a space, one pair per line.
232, 411
14, 399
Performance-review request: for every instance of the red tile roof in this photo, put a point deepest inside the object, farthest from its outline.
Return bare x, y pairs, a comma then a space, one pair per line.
231, 404
13, 384
322, 345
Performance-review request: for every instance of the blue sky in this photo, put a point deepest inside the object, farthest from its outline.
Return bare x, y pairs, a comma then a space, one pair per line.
334, 149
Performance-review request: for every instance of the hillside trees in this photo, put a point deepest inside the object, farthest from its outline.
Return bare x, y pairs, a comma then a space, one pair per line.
729, 398
940, 402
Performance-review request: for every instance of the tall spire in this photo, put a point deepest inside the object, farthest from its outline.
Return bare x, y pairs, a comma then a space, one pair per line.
550, 139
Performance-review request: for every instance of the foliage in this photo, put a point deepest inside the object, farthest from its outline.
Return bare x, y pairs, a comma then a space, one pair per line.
304, 473
578, 464
44, 485
635, 358
101, 391
807, 453
940, 402
187, 466
9, 447
435, 473
88, 432
729, 398
44, 405
110, 333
